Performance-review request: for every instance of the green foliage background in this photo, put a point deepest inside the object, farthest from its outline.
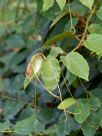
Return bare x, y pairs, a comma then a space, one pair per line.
53, 28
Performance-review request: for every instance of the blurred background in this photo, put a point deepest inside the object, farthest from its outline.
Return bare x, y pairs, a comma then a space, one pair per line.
24, 28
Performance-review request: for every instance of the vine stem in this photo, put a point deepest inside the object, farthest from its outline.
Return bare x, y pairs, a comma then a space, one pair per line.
13, 99
62, 102
58, 97
47, 89
85, 30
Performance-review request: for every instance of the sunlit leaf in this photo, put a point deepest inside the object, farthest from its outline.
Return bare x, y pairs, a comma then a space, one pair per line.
87, 3
47, 4
76, 64
66, 103
94, 43
61, 3
56, 51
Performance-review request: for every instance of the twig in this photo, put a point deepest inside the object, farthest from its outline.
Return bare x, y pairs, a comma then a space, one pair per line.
13, 99
85, 31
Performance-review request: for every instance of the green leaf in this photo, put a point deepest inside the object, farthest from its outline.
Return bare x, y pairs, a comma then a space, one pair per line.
94, 102
56, 51
38, 126
94, 43
98, 93
61, 3
66, 127
7, 58
99, 13
71, 78
87, 3
82, 110
15, 41
4, 126
58, 18
80, 10
11, 108
25, 126
50, 72
92, 123
27, 81
47, 4
50, 14
66, 103
68, 25
95, 28
57, 38
76, 64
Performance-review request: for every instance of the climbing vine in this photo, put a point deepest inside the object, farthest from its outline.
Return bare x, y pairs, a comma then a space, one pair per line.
51, 67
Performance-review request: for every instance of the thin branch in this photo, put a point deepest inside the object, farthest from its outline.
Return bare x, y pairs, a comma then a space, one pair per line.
85, 31
13, 99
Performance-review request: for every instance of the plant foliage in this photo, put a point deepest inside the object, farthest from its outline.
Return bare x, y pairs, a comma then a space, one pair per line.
50, 67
